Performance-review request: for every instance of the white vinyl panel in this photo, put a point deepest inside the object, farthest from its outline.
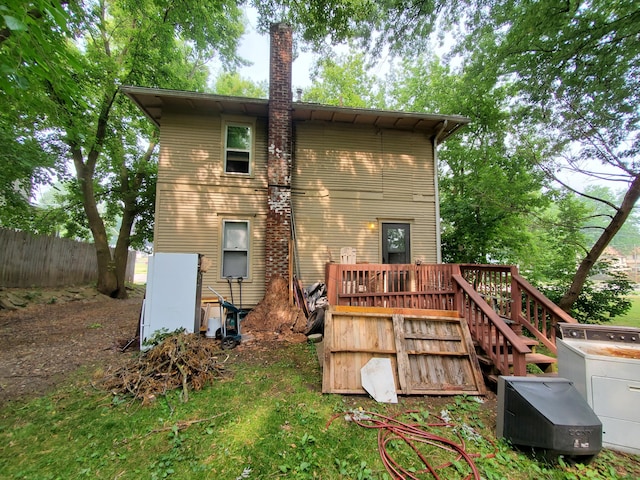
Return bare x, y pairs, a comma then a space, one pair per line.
170, 302
325, 225
333, 158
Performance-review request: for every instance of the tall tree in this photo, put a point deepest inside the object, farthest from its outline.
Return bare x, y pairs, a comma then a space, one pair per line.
32, 38
576, 67
345, 80
151, 43
233, 84
24, 164
489, 188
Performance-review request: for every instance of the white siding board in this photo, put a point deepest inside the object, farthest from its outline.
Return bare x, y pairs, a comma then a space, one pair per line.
332, 158
192, 149
323, 227
344, 179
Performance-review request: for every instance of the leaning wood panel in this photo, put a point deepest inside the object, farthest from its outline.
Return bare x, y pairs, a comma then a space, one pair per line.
350, 341
431, 351
439, 356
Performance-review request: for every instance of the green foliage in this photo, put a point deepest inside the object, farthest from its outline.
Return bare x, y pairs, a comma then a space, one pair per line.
632, 317
599, 301
26, 162
62, 67
574, 69
489, 188
270, 417
33, 44
232, 84
344, 80
402, 26
160, 336
602, 203
557, 241
594, 50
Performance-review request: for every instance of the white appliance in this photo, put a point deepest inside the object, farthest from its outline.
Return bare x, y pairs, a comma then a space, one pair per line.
603, 362
173, 295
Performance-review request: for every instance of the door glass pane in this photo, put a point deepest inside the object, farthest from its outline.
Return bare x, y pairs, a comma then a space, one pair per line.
396, 240
396, 243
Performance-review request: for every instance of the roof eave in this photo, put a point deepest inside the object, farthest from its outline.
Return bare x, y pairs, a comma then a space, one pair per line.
152, 101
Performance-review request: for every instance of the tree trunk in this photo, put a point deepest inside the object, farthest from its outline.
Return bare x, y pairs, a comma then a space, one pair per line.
129, 187
121, 253
107, 283
579, 279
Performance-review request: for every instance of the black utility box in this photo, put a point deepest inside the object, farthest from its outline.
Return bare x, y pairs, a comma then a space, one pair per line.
547, 413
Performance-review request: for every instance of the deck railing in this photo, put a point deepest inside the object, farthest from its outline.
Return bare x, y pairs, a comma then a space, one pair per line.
515, 298
498, 340
496, 301
395, 286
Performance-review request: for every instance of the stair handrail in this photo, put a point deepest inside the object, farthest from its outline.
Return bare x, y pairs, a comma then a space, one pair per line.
527, 307
499, 355
556, 313
540, 297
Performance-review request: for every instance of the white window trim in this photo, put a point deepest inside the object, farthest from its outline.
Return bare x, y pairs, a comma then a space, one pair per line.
238, 122
247, 278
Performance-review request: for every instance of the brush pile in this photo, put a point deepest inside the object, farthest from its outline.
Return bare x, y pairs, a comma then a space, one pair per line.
274, 313
180, 360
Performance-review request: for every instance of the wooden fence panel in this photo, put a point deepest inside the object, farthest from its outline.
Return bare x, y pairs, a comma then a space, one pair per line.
42, 261
431, 351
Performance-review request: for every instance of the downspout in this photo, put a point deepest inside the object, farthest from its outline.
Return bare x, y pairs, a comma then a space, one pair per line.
435, 184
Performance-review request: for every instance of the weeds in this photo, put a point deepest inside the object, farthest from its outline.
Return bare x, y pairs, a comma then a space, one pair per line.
266, 421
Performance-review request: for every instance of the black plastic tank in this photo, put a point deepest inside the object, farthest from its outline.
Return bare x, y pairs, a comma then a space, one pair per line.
549, 414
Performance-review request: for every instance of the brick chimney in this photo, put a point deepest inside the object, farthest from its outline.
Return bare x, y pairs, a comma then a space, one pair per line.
279, 156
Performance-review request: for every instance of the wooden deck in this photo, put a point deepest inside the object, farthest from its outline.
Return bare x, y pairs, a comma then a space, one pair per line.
503, 312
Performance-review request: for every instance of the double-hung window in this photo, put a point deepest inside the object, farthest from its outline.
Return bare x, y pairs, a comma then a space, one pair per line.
235, 248
237, 148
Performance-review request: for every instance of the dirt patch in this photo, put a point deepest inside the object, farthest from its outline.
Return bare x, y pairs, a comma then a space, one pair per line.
47, 339
44, 342
57, 331
274, 318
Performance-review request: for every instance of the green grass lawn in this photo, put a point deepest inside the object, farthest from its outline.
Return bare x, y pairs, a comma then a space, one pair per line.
632, 318
267, 420
141, 266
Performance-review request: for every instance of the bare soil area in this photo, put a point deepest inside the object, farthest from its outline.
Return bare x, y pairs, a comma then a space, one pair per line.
56, 332
47, 334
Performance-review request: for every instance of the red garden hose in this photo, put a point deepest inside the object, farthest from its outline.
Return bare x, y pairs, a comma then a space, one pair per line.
412, 434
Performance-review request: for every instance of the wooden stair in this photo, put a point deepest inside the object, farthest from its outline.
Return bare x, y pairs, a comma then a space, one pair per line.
544, 362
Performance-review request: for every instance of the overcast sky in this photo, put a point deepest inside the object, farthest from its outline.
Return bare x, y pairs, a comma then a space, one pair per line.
255, 48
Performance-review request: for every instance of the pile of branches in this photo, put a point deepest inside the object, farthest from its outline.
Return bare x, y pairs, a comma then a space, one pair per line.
181, 360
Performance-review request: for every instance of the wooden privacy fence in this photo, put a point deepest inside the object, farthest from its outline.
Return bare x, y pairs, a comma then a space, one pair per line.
41, 261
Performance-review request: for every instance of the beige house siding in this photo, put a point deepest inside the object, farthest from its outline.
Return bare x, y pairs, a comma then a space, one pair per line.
348, 181
194, 196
